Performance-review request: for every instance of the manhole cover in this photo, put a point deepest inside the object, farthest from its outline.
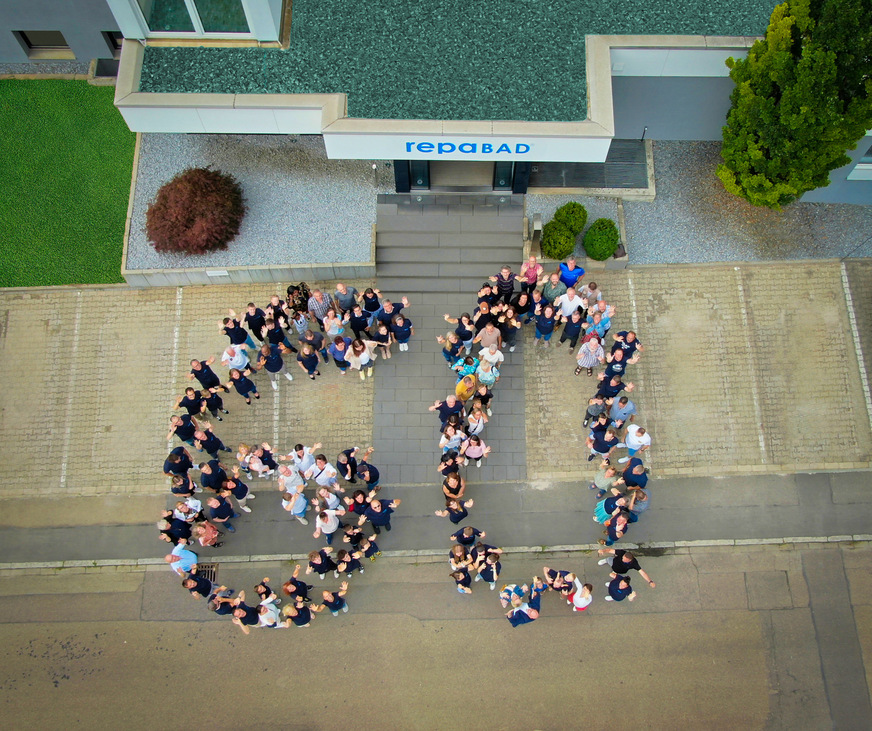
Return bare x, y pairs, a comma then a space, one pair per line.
207, 571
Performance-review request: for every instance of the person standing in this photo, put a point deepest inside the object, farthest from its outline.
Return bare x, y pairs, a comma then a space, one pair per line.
243, 385
476, 450
581, 596
622, 562
221, 511
606, 479
182, 561
255, 320
379, 514
489, 570
316, 342
335, 600
450, 406
206, 441
239, 490
307, 359
552, 288
590, 355
201, 370
462, 580
235, 332
570, 272
213, 403
318, 305
338, 349
531, 270
620, 589
622, 411
327, 523
636, 440
361, 357
635, 475
345, 297
324, 474
468, 536
271, 359
321, 563
505, 281
402, 330
455, 510
184, 427
602, 440
294, 501
545, 323
465, 329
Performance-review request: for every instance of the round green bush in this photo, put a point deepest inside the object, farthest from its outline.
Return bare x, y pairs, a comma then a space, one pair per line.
558, 242
197, 211
572, 215
601, 239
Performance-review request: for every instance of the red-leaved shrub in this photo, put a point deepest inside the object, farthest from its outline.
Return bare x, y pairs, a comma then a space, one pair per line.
197, 211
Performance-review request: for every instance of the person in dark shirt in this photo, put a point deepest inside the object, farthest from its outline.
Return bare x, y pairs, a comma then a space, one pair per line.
571, 330
346, 464
235, 332
243, 385
204, 374
244, 616
255, 320
183, 427
627, 341
335, 600
455, 510
622, 563
296, 589
206, 441
219, 601
451, 405
178, 462
190, 401
463, 580
467, 536
182, 486
379, 514
616, 364
620, 589
276, 336
300, 614
199, 586
316, 340
220, 512
308, 361
321, 563
611, 387
212, 475
368, 473
402, 330
635, 474
213, 403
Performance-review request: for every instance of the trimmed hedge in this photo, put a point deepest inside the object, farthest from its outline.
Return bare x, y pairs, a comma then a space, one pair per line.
558, 242
601, 239
197, 211
572, 215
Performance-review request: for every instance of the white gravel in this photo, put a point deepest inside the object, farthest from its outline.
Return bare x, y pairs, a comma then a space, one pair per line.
302, 207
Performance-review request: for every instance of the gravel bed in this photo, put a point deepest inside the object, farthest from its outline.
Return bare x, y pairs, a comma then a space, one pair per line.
596, 208
46, 67
693, 219
302, 207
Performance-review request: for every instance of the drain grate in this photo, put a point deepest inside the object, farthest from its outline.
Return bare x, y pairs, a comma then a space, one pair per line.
207, 571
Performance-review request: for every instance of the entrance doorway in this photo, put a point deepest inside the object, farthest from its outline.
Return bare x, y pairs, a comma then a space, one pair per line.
461, 176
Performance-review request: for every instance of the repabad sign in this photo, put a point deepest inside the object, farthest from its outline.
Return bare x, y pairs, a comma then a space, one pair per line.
469, 148
373, 146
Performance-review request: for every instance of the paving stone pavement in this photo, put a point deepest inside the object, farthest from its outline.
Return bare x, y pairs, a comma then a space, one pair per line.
740, 364
102, 368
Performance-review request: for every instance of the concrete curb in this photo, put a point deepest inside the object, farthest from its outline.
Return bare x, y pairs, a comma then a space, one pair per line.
433, 554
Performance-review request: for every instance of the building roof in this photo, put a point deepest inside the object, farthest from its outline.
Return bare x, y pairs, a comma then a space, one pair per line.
444, 59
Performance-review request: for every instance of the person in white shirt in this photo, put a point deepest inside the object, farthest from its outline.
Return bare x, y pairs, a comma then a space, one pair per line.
580, 597
327, 523
236, 357
568, 303
324, 474
303, 457
492, 355
636, 440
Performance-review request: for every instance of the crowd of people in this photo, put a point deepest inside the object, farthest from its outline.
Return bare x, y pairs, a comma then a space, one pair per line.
317, 328
474, 351
203, 513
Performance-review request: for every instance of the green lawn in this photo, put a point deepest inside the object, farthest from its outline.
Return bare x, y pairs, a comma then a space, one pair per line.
66, 158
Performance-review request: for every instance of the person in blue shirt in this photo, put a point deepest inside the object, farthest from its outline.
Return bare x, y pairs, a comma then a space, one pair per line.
523, 612
634, 473
620, 589
599, 324
339, 350
178, 462
545, 323
335, 600
402, 330
182, 561
455, 510
467, 536
570, 272
183, 427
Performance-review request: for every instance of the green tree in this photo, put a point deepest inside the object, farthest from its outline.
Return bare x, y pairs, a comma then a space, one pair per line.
803, 97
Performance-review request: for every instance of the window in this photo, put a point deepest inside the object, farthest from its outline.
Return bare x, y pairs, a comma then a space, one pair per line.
113, 39
39, 44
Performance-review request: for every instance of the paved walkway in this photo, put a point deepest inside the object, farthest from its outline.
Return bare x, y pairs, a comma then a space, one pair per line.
737, 379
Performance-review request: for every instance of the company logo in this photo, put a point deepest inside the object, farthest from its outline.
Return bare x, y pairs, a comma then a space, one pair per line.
484, 148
